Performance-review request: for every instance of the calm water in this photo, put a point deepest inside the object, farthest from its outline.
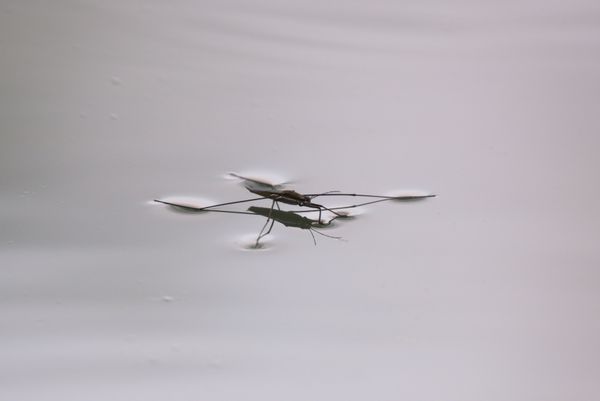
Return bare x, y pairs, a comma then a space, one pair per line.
489, 291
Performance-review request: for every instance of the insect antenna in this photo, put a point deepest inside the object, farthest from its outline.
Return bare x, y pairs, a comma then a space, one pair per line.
313, 196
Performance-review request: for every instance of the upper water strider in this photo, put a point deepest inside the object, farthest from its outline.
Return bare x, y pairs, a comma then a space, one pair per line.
279, 194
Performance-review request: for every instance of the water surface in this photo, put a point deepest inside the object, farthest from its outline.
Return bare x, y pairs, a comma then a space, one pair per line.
486, 292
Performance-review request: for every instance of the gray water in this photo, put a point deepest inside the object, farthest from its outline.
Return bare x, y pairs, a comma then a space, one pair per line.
489, 291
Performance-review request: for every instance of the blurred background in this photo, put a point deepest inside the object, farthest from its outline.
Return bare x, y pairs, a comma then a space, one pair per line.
489, 291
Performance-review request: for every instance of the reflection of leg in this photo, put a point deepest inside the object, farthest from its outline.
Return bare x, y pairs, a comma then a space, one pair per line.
325, 235
267, 233
261, 235
313, 236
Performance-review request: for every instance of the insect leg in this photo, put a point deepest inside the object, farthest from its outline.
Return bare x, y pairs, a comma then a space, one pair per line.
261, 235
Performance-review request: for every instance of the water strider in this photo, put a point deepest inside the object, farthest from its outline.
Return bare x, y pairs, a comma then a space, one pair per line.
290, 218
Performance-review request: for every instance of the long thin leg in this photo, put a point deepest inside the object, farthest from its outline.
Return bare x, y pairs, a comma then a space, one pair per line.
391, 197
321, 208
261, 235
313, 237
310, 230
266, 233
325, 235
207, 208
333, 209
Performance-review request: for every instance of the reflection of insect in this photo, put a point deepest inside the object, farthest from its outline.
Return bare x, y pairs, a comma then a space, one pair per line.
288, 219
277, 193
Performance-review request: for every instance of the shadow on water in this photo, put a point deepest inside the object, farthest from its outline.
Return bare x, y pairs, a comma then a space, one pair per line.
289, 219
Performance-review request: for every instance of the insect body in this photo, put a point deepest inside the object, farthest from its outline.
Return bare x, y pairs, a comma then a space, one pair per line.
278, 194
